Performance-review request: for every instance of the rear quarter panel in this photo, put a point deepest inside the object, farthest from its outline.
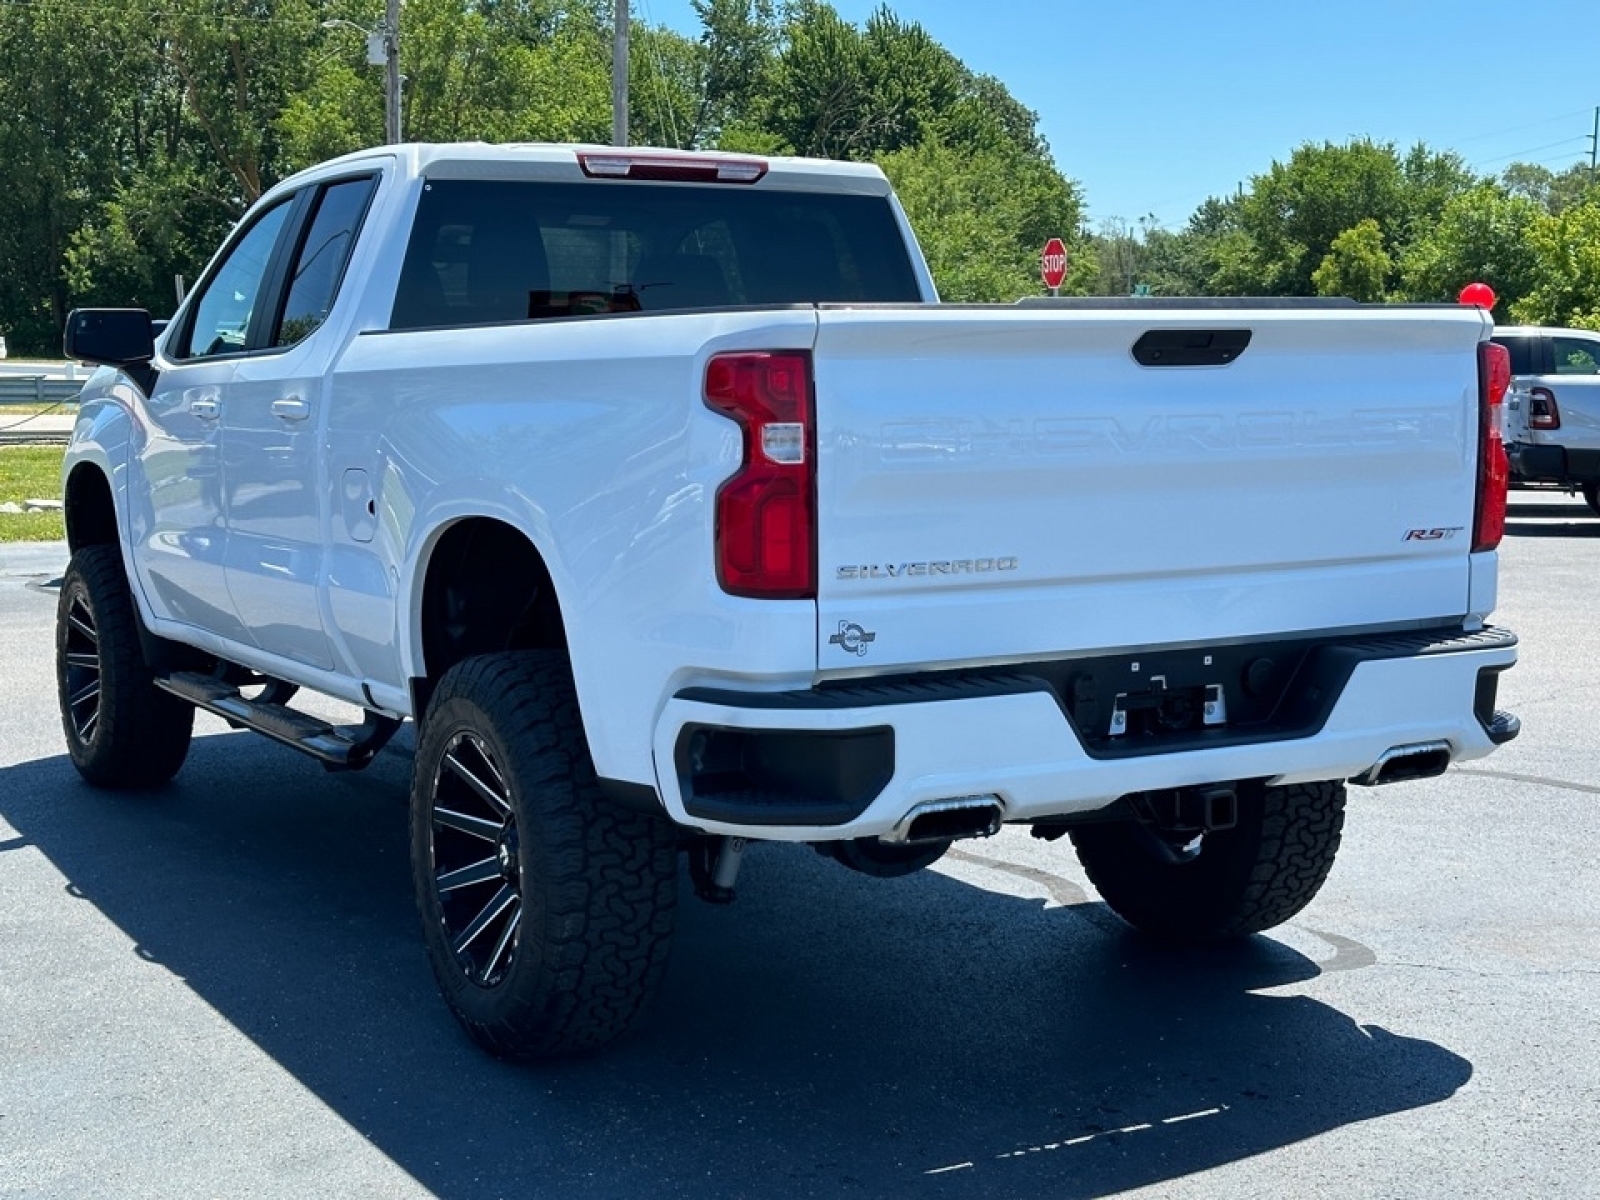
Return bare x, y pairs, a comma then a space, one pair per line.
591, 437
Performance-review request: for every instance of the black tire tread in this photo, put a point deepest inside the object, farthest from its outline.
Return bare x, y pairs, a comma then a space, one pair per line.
609, 874
1259, 874
143, 733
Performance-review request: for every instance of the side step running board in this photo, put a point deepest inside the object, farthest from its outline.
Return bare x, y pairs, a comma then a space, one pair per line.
336, 747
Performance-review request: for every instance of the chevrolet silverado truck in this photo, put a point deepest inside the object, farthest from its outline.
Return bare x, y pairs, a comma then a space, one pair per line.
662, 494
1552, 419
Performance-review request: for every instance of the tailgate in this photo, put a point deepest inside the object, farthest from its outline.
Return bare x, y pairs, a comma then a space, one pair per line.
1000, 484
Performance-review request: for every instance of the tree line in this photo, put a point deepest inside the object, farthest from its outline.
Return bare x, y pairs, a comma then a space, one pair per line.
138, 131
1366, 220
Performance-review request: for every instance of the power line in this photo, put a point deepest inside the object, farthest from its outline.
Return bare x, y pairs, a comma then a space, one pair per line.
1478, 137
1582, 137
154, 14
1569, 160
664, 108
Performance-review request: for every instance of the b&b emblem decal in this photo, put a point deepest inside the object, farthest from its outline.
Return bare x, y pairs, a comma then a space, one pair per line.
852, 639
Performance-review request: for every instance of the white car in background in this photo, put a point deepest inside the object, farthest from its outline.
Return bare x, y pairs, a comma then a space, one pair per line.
1553, 409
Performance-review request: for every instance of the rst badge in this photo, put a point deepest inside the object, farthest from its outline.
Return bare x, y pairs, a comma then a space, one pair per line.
1432, 535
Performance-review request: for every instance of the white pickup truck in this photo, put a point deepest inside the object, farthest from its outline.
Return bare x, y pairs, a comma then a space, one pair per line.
1552, 419
662, 494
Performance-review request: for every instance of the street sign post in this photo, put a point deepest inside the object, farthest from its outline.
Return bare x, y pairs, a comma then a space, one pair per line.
1053, 265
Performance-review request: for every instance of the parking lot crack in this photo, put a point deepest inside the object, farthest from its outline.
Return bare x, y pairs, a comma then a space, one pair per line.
1553, 973
1520, 777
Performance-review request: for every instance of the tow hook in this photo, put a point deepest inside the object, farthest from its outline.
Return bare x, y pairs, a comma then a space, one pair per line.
1192, 810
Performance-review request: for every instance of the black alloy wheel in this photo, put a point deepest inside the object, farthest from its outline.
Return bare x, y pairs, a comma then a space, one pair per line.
80, 662
476, 860
547, 907
122, 731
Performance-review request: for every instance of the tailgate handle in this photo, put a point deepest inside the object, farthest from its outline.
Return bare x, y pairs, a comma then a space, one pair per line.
1190, 347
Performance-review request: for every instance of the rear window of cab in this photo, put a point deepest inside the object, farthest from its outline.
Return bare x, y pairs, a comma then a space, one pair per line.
493, 251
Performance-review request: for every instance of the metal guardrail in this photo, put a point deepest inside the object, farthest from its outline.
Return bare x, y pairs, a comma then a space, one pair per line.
37, 389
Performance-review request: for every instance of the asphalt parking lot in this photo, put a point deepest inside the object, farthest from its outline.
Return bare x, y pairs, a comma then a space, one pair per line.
218, 990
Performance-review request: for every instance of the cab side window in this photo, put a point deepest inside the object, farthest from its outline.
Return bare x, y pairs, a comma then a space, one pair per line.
324, 252
222, 312
1577, 356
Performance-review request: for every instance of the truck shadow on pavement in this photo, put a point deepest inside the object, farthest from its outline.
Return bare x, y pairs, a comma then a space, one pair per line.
1552, 517
829, 1034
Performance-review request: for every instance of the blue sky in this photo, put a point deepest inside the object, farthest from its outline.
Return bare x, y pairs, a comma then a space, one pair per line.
1153, 105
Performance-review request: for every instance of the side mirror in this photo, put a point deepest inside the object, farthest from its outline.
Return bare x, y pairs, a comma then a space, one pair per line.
115, 337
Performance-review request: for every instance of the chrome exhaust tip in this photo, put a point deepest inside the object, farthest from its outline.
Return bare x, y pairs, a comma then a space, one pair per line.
1420, 760
946, 821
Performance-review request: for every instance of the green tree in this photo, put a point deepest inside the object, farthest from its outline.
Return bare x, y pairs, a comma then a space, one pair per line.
506, 72
136, 136
821, 101
1356, 264
238, 66
1482, 235
1175, 263
1550, 190
1293, 213
199, 100
738, 46
982, 217
61, 141
1430, 180
158, 224
665, 88
1567, 291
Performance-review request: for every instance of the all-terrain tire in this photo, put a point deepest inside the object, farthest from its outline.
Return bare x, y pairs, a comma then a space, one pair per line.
547, 909
122, 731
1237, 881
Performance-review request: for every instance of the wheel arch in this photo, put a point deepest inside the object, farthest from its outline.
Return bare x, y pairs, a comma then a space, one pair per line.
94, 471
482, 586
89, 506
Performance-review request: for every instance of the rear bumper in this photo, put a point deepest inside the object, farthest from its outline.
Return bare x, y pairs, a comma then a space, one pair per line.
1553, 464
852, 761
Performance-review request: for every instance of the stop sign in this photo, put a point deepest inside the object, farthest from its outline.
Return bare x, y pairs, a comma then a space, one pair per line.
1053, 263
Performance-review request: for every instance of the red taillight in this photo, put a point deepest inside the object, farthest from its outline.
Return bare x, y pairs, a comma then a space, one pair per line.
1543, 413
1494, 472
672, 168
766, 527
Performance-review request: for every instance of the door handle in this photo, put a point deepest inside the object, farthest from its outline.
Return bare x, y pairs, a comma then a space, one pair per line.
205, 408
291, 408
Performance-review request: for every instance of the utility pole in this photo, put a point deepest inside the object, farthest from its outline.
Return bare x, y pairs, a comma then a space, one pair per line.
619, 73
391, 72
383, 50
1594, 145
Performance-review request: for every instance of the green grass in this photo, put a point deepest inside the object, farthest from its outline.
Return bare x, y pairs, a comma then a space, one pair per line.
30, 473
10, 413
